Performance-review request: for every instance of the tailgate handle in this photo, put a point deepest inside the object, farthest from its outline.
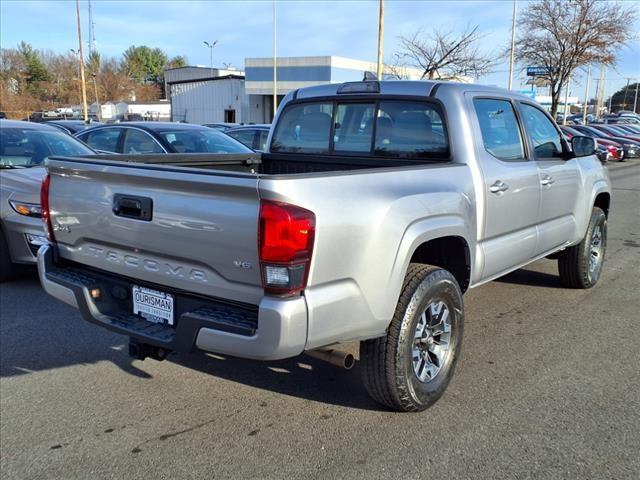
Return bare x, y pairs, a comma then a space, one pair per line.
129, 206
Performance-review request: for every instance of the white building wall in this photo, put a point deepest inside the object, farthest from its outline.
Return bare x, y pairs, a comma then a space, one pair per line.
205, 101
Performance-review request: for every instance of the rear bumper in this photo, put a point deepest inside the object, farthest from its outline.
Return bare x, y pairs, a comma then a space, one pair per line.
276, 329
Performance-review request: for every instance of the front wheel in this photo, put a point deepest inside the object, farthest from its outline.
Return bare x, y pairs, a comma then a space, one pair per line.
409, 368
580, 266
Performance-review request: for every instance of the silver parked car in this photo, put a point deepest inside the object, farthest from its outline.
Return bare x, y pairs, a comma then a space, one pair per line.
23, 148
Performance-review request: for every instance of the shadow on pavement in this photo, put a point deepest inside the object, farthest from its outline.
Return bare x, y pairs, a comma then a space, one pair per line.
38, 333
531, 278
301, 377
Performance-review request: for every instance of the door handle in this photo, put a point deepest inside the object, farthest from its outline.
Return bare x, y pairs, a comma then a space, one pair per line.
498, 187
547, 180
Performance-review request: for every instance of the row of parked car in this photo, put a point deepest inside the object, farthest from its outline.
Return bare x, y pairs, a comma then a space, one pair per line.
615, 142
25, 145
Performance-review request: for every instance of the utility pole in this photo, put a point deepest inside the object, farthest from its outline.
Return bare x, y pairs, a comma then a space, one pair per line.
380, 38
81, 60
275, 66
586, 96
513, 45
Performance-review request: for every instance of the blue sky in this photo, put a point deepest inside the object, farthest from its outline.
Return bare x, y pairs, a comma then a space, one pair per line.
244, 28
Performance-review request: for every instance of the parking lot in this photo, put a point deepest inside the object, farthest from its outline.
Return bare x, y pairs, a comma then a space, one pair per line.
548, 387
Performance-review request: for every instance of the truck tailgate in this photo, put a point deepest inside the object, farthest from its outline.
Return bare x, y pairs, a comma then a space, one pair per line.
191, 230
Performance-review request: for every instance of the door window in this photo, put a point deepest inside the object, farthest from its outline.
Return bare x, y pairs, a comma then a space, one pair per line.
105, 139
262, 140
499, 127
136, 141
243, 136
544, 135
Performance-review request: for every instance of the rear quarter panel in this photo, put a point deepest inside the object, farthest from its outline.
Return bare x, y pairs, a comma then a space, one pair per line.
367, 226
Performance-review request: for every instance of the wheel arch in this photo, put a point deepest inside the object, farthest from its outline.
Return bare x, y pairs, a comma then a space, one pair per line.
450, 252
603, 201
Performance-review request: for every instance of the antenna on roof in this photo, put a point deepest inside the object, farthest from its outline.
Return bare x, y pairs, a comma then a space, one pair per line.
369, 77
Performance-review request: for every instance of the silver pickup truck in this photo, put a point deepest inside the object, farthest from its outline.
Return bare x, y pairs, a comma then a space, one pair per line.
375, 207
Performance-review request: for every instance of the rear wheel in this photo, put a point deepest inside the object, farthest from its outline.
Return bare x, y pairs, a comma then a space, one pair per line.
410, 368
7, 267
580, 266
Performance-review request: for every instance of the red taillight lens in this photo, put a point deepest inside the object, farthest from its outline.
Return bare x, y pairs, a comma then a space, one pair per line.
44, 204
286, 239
613, 151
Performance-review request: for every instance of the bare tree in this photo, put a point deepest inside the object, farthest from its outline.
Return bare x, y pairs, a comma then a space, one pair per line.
445, 55
562, 35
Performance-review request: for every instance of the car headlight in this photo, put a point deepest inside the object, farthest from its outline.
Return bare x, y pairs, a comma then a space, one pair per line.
26, 209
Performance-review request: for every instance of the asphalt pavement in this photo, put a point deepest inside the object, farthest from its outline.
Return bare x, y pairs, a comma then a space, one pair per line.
548, 387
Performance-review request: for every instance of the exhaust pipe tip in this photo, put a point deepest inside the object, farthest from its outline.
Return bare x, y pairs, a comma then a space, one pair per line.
336, 358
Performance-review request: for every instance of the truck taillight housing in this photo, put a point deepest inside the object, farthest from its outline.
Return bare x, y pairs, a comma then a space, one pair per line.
44, 205
286, 235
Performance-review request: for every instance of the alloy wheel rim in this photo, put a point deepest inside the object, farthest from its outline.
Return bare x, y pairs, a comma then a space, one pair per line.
596, 252
432, 339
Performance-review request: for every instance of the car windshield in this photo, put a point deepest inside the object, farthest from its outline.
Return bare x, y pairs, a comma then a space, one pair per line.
27, 147
201, 141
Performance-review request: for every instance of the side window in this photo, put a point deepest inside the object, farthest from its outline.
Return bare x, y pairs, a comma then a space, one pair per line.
499, 127
545, 137
136, 141
105, 139
243, 136
262, 139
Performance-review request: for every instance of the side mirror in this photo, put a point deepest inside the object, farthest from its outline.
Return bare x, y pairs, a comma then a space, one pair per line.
583, 146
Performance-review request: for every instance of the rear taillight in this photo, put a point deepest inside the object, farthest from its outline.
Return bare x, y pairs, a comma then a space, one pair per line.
285, 237
44, 204
613, 151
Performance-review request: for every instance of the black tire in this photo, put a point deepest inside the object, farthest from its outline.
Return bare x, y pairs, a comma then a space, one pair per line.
574, 262
388, 362
7, 267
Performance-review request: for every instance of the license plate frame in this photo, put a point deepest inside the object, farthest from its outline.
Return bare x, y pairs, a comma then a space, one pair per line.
153, 305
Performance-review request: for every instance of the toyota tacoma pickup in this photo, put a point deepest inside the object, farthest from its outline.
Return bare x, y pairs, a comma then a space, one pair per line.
374, 208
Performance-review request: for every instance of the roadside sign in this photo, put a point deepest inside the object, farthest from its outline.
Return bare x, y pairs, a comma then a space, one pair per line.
536, 71
539, 71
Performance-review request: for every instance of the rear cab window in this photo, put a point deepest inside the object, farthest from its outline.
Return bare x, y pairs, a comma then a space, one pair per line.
374, 128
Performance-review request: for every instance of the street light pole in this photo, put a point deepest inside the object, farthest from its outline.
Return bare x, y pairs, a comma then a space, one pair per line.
513, 45
380, 38
586, 97
275, 66
76, 53
81, 60
211, 45
566, 101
